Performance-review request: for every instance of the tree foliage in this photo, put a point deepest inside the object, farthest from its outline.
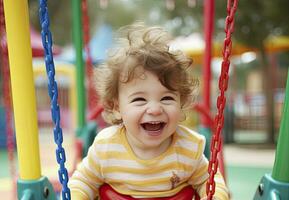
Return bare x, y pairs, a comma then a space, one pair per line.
258, 19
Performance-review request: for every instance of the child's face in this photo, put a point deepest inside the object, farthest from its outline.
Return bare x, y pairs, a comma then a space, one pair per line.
150, 112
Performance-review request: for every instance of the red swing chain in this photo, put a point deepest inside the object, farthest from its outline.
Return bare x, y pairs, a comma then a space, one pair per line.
94, 107
221, 101
7, 98
88, 62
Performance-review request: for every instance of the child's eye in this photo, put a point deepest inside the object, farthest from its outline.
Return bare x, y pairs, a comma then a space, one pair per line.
138, 99
168, 98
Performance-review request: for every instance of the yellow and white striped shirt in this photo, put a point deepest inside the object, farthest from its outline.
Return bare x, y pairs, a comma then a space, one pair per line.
111, 160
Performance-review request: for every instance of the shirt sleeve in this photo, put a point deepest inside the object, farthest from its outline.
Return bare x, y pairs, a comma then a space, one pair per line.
221, 191
86, 180
200, 176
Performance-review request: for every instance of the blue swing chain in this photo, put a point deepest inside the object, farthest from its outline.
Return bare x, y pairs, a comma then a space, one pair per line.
53, 94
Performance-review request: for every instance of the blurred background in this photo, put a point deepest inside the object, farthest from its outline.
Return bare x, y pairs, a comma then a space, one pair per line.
255, 95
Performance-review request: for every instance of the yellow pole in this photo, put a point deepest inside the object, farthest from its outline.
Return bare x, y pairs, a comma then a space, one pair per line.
23, 92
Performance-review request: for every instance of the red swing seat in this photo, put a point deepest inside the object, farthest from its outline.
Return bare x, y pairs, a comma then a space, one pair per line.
106, 192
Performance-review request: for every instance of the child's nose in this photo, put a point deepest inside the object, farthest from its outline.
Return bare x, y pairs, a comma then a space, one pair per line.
154, 109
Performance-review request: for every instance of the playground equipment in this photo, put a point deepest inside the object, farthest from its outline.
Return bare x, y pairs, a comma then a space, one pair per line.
6, 114
276, 185
65, 73
31, 184
24, 102
15, 50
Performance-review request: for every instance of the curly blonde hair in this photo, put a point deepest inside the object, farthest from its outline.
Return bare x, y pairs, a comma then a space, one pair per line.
145, 47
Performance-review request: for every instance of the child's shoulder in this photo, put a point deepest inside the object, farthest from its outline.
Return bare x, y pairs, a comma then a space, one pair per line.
190, 140
108, 133
189, 134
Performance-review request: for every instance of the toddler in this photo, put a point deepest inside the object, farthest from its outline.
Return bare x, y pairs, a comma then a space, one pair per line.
145, 88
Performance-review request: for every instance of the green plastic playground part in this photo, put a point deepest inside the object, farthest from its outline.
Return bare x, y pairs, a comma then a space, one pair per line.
87, 135
270, 189
281, 165
80, 73
276, 187
35, 189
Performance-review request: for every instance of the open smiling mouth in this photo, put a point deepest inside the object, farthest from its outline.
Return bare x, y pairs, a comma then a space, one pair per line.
153, 126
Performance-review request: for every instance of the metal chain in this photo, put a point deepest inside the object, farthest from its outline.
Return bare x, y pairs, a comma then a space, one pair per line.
53, 94
221, 100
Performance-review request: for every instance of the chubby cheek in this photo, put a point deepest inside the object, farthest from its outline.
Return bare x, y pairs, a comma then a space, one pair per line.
130, 118
175, 114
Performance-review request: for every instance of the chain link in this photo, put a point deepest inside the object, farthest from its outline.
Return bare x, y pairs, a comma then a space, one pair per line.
221, 100
53, 94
